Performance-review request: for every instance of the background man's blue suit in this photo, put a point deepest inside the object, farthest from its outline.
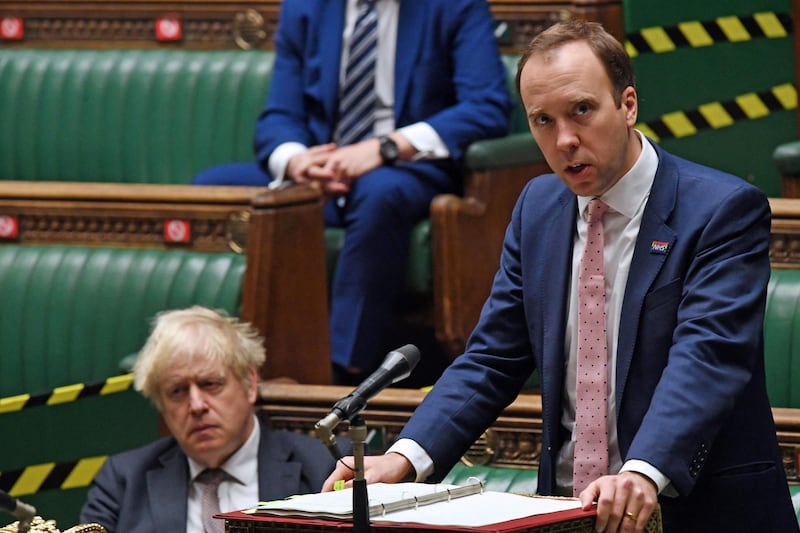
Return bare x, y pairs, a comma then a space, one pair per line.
146, 489
690, 390
448, 73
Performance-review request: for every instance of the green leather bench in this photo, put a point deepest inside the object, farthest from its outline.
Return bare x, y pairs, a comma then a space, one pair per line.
69, 315
161, 115
782, 338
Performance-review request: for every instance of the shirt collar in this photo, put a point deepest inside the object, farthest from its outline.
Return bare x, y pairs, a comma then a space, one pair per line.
240, 465
630, 193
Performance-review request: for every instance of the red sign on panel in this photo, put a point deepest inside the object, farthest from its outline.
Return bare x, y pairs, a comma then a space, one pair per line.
12, 28
169, 28
9, 227
176, 230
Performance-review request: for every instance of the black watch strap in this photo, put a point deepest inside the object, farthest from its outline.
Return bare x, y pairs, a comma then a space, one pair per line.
388, 150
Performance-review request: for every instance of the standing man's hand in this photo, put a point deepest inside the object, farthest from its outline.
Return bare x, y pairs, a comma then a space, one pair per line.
624, 501
389, 468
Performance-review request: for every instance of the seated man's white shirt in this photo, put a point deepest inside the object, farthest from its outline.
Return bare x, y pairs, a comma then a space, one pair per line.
235, 494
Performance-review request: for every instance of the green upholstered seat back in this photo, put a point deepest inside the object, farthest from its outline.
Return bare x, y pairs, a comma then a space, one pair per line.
129, 116
782, 338
519, 122
498, 479
71, 313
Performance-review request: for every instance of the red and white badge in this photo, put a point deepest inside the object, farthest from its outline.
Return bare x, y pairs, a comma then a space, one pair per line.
177, 230
11, 28
9, 227
169, 28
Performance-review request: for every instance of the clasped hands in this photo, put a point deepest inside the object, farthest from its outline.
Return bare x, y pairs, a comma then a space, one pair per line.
624, 501
332, 169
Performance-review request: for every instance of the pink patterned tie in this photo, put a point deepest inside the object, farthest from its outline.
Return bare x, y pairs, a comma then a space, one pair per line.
209, 481
591, 406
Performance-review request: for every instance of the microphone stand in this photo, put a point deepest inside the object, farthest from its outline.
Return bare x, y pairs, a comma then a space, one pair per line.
358, 436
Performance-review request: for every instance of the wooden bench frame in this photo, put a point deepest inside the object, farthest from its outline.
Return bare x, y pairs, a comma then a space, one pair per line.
285, 269
513, 441
245, 24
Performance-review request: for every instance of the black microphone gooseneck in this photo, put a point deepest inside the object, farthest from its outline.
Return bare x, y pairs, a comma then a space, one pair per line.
397, 365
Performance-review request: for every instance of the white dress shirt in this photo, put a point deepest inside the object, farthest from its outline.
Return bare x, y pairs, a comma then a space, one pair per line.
421, 135
626, 200
241, 492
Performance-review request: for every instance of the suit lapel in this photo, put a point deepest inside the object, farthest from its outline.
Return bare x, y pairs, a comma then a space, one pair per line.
655, 240
410, 26
168, 489
330, 53
555, 268
277, 475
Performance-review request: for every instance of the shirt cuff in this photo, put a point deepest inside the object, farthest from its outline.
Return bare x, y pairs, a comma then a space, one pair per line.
418, 457
661, 481
427, 142
279, 159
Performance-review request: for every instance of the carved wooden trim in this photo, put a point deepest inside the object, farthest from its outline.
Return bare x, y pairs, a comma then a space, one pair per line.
104, 214
784, 249
513, 441
245, 24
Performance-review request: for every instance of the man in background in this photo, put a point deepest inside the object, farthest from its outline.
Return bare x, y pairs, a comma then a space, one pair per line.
635, 283
374, 102
200, 369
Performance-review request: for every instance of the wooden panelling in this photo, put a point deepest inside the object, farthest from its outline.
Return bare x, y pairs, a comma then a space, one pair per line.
245, 24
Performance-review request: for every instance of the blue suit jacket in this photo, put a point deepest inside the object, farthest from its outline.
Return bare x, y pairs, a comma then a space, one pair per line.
146, 489
439, 78
690, 390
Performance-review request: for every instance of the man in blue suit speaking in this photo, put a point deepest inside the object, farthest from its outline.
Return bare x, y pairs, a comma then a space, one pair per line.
649, 346
374, 102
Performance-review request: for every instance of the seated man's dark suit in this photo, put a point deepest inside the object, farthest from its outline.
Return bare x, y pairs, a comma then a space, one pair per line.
146, 489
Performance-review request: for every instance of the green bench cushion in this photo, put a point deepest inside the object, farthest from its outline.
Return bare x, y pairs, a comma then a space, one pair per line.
70, 313
498, 479
782, 338
128, 116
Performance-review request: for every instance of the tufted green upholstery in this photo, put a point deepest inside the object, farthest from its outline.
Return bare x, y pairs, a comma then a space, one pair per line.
71, 313
782, 338
68, 315
496, 479
130, 116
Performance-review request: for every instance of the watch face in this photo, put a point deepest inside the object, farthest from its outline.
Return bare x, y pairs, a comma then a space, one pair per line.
388, 150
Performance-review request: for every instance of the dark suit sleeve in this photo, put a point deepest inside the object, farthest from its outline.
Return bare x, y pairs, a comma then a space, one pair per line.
476, 387
103, 500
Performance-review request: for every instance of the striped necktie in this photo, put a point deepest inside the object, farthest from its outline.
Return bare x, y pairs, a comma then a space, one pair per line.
357, 94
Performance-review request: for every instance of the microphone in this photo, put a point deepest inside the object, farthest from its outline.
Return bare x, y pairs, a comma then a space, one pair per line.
397, 365
23, 512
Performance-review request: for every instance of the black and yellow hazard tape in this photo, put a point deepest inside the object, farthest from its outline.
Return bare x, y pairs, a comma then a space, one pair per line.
51, 476
696, 34
66, 394
715, 115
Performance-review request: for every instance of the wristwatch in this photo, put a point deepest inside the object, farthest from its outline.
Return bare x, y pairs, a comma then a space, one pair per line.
388, 150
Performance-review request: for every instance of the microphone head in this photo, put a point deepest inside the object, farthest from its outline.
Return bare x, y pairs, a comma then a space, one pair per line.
402, 361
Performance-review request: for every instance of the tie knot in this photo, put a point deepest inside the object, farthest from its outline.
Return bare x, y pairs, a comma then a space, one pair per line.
596, 209
211, 477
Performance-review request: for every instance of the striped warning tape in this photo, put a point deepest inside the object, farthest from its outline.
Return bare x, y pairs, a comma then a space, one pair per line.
51, 476
706, 33
66, 394
717, 115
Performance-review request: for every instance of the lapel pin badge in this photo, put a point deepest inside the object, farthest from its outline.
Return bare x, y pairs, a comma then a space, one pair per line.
659, 247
